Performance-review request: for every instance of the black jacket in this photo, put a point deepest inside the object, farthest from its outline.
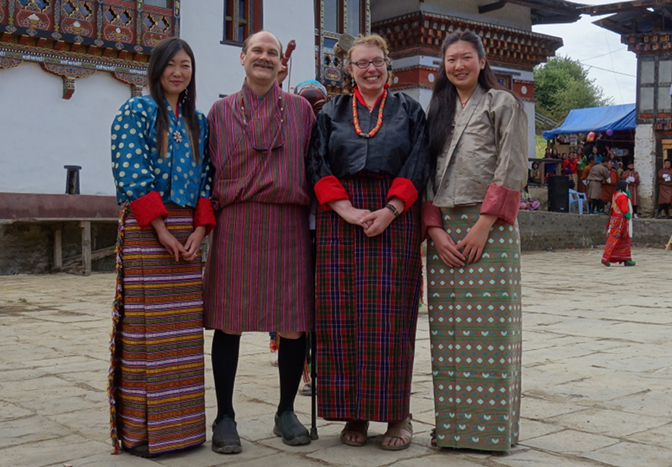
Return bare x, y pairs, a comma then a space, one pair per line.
398, 149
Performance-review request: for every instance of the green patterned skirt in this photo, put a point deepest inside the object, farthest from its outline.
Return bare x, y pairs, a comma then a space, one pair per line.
475, 325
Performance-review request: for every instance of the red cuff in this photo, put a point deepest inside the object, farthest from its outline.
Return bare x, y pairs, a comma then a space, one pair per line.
329, 189
204, 215
147, 208
430, 216
403, 189
501, 202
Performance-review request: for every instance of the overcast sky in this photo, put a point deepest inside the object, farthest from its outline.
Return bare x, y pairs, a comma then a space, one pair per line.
591, 45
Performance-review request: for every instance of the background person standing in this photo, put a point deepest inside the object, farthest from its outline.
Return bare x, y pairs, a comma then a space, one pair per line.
631, 176
664, 190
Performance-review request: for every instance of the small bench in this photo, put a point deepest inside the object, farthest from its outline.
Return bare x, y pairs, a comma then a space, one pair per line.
58, 210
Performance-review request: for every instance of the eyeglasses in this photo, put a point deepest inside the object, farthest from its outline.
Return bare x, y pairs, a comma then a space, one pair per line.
378, 62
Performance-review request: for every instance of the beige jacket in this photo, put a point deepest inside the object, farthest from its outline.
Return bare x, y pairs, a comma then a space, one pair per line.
488, 145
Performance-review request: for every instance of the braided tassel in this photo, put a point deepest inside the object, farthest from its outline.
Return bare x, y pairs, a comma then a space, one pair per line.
117, 310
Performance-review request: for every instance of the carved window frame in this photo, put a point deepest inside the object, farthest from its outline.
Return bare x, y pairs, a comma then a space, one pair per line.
249, 18
168, 4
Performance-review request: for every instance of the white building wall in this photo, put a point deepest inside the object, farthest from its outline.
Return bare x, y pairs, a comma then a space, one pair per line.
645, 164
218, 66
40, 132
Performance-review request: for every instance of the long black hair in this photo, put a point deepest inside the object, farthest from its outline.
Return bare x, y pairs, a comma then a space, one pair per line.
158, 61
442, 105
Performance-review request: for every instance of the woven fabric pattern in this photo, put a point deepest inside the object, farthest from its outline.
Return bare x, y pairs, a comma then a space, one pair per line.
367, 296
259, 276
475, 325
157, 385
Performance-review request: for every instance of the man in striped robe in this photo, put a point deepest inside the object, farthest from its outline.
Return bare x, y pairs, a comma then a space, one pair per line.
259, 275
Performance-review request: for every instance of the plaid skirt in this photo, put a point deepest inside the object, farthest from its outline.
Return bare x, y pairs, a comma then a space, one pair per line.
475, 325
367, 296
156, 382
618, 247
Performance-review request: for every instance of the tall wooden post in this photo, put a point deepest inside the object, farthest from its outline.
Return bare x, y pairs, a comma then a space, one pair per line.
58, 249
86, 248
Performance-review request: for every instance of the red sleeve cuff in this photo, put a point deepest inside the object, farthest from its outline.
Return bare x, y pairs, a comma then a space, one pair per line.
329, 189
403, 189
204, 215
430, 216
501, 202
147, 208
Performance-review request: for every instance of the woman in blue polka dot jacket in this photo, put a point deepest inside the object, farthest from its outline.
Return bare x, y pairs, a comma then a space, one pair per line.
162, 174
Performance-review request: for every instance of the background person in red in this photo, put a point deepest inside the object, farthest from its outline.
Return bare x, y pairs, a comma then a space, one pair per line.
569, 168
619, 236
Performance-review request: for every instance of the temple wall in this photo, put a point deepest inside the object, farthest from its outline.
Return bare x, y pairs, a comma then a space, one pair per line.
645, 164
43, 132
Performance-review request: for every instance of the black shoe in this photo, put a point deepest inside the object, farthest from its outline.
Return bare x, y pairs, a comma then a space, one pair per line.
141, 451
225, 439
290, 428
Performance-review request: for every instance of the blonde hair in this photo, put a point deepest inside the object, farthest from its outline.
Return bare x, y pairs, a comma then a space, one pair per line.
372, 40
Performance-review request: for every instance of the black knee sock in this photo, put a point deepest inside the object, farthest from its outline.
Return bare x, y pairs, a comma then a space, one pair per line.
225, 350
291, 358
634, 209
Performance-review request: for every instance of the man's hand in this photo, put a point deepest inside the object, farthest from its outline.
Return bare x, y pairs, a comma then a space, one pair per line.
282, 74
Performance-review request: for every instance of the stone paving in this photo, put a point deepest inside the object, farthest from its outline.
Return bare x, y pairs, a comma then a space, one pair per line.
597, 377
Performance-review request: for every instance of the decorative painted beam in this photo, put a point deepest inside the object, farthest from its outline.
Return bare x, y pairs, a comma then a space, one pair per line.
69, 75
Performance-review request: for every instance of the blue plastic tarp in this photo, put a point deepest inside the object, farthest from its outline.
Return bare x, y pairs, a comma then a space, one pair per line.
613, 117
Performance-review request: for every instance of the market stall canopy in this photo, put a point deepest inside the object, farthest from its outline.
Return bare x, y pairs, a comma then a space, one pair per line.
613, 117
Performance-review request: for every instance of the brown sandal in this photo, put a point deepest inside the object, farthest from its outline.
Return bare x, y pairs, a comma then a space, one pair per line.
359, 428
403, 432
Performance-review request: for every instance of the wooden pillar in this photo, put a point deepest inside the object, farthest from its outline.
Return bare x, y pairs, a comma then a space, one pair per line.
58, 249
86, 248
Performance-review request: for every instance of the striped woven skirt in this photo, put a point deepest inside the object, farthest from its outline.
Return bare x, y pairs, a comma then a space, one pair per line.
475, 324
259, 274
156, 382
618, 247
367, 296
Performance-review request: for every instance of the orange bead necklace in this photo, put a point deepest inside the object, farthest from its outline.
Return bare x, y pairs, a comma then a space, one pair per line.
379, 122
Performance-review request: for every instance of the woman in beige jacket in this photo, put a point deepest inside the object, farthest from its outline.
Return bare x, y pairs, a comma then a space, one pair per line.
478, 137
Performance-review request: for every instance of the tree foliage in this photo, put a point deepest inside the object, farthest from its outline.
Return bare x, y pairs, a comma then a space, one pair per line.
562, 84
